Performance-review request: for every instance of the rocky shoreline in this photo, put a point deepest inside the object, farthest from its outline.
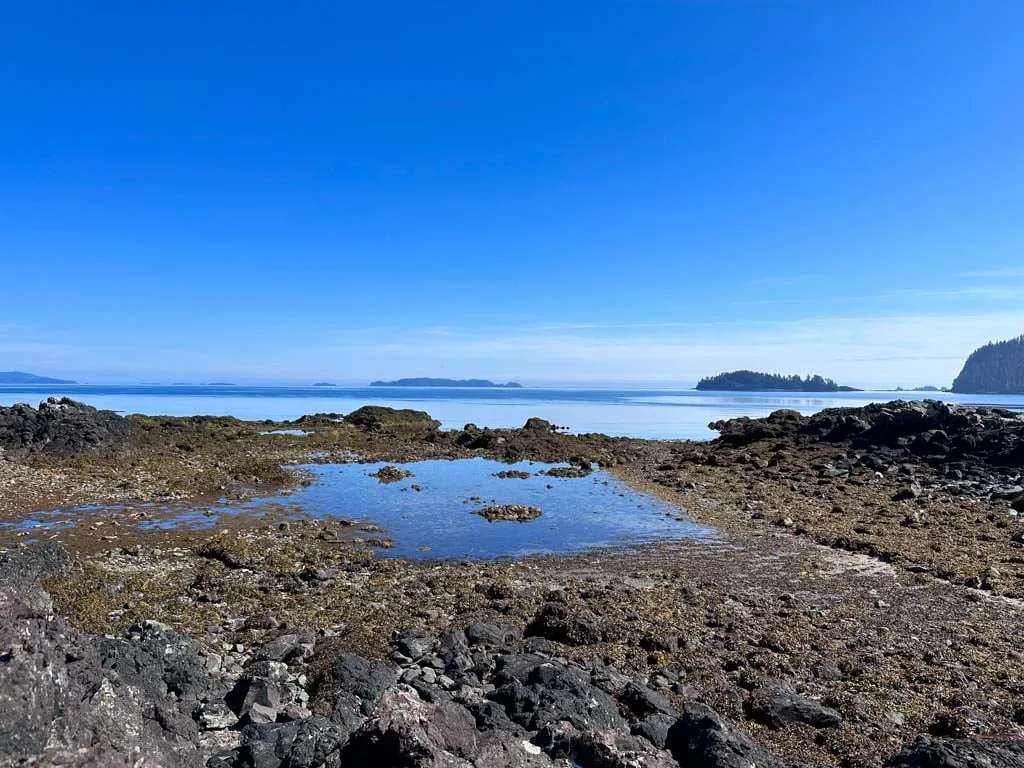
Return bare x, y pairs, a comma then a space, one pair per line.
862, 608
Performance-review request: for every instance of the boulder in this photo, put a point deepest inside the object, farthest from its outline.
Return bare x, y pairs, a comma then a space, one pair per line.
61, 425
406, 731
779, 708
311, 743
701, 738
554, 622
928, 752
354, 687
537, 693
377, 418
156, 659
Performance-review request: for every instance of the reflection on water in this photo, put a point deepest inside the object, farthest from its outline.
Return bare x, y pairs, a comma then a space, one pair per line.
431, 513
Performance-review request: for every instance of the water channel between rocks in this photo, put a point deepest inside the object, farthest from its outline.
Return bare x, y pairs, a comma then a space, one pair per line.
431, 513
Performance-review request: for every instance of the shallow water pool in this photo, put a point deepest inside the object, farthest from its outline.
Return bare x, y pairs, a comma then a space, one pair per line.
432, 512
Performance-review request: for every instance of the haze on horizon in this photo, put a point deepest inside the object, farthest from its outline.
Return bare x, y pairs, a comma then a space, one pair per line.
609, 192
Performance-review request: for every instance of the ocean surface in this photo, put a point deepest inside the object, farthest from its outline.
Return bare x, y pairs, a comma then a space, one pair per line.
653, 413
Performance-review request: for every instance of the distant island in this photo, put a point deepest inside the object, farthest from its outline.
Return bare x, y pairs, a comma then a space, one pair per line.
752, 381
428, 382
995, 369
928, 388
219, 384
324, 384
20, 377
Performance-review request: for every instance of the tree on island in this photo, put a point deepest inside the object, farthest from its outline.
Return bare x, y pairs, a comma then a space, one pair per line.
752, 381
994, 369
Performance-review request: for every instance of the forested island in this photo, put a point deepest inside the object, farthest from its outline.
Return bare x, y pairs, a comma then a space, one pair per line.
995, 369
752, 381
430, 382
20, 377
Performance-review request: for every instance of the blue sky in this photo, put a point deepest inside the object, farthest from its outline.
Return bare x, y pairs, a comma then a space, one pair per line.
597, 192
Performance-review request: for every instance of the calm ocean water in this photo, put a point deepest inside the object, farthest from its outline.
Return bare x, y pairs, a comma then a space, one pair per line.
662, 413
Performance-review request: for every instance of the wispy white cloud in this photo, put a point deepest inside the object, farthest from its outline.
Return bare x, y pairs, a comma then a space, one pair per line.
996, 273
1004, 292
860, 350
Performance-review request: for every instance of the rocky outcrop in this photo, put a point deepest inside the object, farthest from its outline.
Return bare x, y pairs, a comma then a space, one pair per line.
952, 437
378, 418
996, 368
508, 513
61, 425
391, 474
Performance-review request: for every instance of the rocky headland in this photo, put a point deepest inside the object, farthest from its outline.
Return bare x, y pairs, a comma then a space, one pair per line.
862, 608
997, 367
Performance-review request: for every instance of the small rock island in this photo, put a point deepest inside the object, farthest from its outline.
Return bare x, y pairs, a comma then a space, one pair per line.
752, 381
431, 382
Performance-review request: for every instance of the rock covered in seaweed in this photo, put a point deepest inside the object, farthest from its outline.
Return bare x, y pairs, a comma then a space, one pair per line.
391, 474
378, 418
516, 513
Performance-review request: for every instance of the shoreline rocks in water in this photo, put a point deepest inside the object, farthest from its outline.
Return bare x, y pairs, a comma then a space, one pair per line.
515, 513
391, 474
513, 474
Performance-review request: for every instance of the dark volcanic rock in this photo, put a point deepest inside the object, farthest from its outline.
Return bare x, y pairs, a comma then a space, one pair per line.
702, 739
61, 425
410, 732
949, 437
536, 693
21, 573
155, 659
59, 706
554, 622
779, 708
311, 743
354, 688
927, 752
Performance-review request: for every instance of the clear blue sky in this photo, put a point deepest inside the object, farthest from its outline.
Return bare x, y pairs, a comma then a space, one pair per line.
645, 191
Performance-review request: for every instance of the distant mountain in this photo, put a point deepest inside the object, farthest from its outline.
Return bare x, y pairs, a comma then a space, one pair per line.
995, 369
428, 382
18, 377
752, 381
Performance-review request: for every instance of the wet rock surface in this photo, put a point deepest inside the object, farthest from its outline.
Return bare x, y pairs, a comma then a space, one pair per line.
514, 513
391, 474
